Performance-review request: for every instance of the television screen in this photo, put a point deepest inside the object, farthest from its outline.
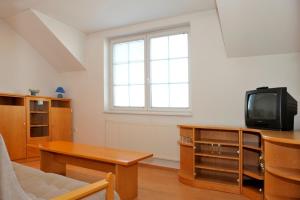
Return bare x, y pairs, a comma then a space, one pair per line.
262, 106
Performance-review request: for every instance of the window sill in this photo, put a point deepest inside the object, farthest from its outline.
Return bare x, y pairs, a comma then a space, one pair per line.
160, 113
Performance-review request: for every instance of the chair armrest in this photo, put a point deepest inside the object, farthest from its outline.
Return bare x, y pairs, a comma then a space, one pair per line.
91, 189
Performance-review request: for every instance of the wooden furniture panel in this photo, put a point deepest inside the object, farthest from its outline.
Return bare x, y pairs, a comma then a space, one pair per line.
282, 170
61, 123
278, 188
186, 161
13, 129
56, 155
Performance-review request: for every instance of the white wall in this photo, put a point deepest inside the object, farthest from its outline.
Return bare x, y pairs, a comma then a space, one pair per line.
21, 67
73, 39
218, 88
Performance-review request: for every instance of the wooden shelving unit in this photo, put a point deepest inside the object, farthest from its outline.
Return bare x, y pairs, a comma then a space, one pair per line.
260, 164
253, 165
210, 158
27, 121
38, 119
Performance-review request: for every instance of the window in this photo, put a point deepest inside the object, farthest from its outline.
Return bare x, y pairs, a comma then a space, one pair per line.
151, 72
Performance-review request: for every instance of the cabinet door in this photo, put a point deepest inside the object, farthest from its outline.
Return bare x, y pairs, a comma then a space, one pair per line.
13, 130
61, 124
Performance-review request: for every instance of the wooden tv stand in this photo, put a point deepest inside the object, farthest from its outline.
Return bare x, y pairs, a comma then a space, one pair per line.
259, 164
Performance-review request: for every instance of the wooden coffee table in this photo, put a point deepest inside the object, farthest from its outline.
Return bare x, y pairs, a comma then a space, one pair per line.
124, 164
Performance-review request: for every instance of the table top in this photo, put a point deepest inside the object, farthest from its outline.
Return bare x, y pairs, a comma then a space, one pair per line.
104, 154
288, 137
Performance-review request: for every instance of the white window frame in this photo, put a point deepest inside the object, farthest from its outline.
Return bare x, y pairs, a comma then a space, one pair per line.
147, 109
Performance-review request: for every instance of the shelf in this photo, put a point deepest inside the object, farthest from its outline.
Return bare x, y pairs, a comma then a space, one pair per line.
39, 112
251, 145
227, 155
253, 172
219, 168
286, 173
221, 142
185, 144
218, 179
40, 125
60, 103
11, 101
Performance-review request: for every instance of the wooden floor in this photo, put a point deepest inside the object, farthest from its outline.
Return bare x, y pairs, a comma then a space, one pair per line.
154, 184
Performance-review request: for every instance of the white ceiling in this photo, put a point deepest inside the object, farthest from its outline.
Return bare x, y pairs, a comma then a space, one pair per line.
259, 27
93, 15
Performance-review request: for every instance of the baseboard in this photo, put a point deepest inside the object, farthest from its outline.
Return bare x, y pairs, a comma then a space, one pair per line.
160, 163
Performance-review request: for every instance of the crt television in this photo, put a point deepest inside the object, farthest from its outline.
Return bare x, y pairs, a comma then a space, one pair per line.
270, 108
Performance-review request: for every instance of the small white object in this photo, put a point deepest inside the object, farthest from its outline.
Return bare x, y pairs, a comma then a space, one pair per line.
40, 102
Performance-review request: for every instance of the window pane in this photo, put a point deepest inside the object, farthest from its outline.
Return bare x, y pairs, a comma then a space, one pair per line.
159, 48
179, 95
120, 76
120, 53
160, 95
179, 71
136, 73
121, 97
137, 95
136, 50
159, 71
178, 45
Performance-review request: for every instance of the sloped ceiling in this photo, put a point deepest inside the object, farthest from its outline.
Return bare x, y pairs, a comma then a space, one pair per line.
94, 15
45, 40
259, 27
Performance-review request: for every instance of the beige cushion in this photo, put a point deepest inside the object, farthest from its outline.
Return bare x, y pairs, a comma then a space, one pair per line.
10, 189
40, 186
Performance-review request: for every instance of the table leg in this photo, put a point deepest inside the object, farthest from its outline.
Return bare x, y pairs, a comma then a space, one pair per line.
127, 181
50, 164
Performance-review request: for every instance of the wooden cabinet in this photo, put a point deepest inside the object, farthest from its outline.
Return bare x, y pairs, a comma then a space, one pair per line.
210, 158
61, 120
260, 164
13, 125
282, 177
27, 121
48, 119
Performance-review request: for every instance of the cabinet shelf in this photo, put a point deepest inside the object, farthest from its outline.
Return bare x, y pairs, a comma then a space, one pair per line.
253, 172
185, 144
38, 125
219, 168
251, 146
39, 112
286, 173
218, 178
220, 142
224, 155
